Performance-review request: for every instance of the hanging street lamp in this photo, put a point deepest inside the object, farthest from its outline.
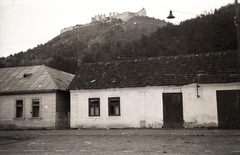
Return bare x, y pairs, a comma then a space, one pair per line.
170, 15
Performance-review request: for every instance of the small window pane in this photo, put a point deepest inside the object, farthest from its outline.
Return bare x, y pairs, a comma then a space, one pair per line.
111, 108
96, 110
35, 111
35, 102
94, 107
117, 110
19, 108
92, 111
35, 107
114, 106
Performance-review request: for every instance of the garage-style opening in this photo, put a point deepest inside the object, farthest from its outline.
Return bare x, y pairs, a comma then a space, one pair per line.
228, 107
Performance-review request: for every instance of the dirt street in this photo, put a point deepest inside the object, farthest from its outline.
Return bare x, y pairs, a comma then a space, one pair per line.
126, 141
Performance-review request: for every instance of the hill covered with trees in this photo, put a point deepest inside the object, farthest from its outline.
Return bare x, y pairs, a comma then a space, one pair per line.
211, 32
98, 41
138, 37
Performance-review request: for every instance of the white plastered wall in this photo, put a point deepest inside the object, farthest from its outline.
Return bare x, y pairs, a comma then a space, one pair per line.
143, 107
47, 111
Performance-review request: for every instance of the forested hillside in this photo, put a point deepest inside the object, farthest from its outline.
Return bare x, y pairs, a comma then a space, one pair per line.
212, 32
139, 37
99, 41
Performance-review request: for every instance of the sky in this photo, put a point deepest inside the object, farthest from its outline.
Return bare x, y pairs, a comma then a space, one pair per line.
26, 23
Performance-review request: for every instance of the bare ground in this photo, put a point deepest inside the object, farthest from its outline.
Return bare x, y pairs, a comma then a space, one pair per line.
126, 141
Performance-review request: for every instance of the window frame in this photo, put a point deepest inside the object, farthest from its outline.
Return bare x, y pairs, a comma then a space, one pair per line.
90, 105
23, 108
32, 105
114, 106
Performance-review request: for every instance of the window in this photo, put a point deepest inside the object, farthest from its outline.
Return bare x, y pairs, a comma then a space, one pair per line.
94, 107
114, 106
19, 108
35, 107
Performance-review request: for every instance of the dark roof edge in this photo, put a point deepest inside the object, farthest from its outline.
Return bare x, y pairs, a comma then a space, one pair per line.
30, 92
176, 85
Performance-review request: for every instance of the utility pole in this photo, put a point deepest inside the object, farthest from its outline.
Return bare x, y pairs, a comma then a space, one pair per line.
237, 23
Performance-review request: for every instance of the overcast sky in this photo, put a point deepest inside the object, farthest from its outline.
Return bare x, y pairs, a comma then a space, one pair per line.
26, 23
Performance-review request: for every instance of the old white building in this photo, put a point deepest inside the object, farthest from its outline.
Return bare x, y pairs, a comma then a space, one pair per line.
34, 97
171, 92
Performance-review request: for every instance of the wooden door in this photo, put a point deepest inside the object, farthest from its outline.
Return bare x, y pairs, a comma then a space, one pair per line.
228, 108
172, 110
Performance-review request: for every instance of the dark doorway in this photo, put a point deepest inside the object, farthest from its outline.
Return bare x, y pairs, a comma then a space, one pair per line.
172, 110
228, 107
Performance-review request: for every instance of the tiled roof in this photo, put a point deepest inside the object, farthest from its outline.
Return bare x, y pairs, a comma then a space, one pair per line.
222, 67
33, 79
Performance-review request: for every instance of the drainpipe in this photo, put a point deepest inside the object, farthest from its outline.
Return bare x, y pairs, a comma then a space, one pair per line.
196, 76
197, 86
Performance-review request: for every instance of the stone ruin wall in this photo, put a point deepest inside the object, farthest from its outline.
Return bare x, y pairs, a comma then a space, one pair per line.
102, 18
123, 16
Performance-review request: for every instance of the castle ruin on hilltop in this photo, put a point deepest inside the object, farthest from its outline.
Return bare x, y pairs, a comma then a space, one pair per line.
125, 16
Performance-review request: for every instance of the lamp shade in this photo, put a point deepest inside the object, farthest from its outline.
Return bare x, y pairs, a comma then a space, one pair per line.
170, 15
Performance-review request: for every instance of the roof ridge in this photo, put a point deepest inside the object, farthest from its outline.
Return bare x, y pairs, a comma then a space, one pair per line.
46, 76
54, 77
40, 66
162, 57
